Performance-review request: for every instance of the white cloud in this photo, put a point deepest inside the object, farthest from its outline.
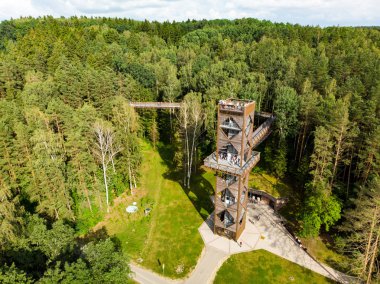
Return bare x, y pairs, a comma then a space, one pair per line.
312, 12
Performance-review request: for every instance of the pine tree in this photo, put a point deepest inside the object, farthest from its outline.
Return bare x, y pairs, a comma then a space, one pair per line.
369, 155
52, 194
81, 165
10, 214
286, 107
322, 157
362, 229
308, 113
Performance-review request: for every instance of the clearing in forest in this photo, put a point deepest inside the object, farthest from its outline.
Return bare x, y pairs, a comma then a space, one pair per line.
169, 234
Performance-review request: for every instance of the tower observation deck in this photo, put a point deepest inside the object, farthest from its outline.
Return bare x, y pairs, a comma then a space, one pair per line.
233, 160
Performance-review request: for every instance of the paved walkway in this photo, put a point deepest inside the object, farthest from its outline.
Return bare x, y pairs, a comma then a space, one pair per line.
209, 263
263, 231
277, 240
204, 272
145, 276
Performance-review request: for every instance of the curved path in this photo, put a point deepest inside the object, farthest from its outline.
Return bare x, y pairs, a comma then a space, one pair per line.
265, 233
205, 271
146, 276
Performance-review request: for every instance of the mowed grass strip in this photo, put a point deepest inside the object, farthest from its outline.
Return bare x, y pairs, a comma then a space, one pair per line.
263, 267
168, 237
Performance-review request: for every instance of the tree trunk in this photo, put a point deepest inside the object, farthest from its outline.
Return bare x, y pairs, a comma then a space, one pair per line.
187, 156
302, 142
106, 185
56, 213
130, 178
349, 175
369, 241
192, 152
368, 168
374, 254
171, 125
85, 189
99, 196
337, 155
134, 181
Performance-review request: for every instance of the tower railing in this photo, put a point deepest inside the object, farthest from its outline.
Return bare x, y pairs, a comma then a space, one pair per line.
225, 166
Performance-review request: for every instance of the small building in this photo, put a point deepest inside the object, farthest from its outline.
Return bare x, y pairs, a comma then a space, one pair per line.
255, 195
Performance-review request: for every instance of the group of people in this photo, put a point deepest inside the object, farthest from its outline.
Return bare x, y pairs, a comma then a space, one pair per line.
300, 243
235, 159
229, 123
231, 105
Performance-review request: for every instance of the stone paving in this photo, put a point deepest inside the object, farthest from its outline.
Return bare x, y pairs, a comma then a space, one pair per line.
263, 231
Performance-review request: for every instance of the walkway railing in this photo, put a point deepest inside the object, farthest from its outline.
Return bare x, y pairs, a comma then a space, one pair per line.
211, 162
164, 105
262, 132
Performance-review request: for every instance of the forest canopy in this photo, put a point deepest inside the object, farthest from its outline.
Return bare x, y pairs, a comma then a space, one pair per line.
69, 139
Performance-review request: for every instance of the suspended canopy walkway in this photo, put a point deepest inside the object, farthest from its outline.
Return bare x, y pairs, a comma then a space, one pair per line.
259, 135
163, 105
262, 132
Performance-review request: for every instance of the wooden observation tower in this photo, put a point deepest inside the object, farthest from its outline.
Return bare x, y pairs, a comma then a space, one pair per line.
233, 160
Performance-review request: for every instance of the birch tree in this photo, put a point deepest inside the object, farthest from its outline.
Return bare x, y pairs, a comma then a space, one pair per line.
191, 121
126, 122
105, 150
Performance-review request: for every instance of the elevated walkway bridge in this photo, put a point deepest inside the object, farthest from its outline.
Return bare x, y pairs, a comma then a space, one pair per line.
259, 135
158, 105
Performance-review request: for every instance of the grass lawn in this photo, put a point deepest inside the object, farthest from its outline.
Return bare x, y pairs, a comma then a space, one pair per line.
263, 181
169, 234
324, 253
263, 267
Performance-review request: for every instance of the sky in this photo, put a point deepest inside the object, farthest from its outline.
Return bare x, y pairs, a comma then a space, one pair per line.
304, 12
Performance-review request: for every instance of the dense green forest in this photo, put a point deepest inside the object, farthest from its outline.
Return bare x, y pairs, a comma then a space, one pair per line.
68, 137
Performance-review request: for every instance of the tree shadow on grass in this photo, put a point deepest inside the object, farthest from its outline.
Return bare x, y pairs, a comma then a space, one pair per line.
200, 188
293, 208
